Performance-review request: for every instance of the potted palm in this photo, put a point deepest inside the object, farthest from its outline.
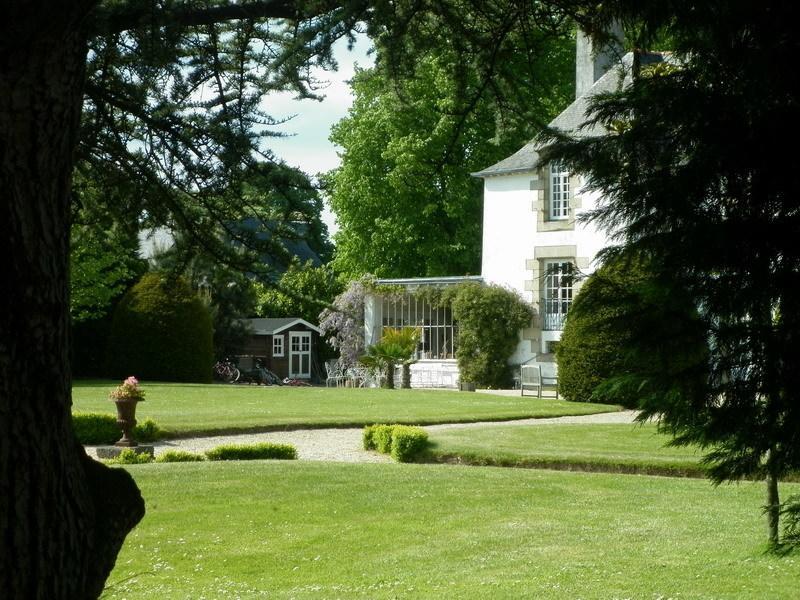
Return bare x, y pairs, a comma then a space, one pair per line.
125, 396
396, 346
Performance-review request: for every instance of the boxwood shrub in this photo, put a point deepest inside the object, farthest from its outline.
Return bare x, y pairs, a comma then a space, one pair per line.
130, 457
264, 450
404, 443
382, 437
147, 431
368, 437
95, 429
99, 429
179, 456
408, 442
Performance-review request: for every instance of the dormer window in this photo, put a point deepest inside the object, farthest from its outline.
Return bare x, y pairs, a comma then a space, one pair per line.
559, 191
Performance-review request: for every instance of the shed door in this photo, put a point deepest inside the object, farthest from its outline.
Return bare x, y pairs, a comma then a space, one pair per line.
300, 354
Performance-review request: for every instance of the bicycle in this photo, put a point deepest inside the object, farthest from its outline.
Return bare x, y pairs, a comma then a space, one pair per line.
226, 370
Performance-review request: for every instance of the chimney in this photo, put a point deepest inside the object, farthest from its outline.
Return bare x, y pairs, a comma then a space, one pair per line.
590, 63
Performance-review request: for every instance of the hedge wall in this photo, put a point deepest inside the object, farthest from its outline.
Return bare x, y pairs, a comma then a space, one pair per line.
161, 331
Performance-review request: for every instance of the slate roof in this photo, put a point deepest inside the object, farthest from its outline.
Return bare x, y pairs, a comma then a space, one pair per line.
571, 120
268, 326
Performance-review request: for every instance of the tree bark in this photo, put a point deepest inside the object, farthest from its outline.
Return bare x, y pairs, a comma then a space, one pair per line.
406, 380
63, 517
773, 506
389, 383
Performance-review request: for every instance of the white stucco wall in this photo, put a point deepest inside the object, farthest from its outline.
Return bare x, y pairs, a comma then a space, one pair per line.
508, 224
510, 236
510, 239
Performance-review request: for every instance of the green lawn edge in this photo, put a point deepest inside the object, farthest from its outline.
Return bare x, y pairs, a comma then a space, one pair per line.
555, 463
599, 465
189, 410
214, 431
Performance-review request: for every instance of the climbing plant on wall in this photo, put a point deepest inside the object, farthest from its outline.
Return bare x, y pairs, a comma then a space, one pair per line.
489, 319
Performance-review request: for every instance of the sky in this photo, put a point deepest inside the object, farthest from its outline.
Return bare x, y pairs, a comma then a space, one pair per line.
308, 147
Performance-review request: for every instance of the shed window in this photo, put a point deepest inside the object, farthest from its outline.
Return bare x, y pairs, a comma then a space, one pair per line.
277, 345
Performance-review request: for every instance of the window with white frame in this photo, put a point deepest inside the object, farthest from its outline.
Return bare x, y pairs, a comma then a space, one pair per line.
277, 345
559, 191
558, 278
438, 332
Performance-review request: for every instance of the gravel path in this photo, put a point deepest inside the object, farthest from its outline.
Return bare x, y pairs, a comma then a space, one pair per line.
344, 445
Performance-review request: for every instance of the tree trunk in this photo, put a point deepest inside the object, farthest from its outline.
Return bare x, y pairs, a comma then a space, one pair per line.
63, 517
773, 506
406, 380
389, 382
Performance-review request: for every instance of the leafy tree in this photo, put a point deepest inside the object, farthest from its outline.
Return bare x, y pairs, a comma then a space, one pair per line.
404, 199
302, 291
229, 294
694, 181
103, 263
621, 304
137, 69
101, 268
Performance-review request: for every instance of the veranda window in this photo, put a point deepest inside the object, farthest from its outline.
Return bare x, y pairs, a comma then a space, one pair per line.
558, 276
559, 191
438, 331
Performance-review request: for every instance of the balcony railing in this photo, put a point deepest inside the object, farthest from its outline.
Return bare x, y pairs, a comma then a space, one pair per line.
553, 321
554, 314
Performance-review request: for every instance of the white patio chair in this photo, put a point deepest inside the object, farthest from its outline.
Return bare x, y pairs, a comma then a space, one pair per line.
550, 379
333, 373
356, 376
530, 378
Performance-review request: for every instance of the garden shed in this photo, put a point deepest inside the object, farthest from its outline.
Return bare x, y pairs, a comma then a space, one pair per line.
289, 347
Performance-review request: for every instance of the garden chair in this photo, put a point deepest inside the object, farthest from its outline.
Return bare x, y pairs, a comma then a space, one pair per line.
530, 378
550, 379
357, 376
334, 374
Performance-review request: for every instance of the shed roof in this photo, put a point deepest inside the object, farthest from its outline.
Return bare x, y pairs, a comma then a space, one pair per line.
271, 326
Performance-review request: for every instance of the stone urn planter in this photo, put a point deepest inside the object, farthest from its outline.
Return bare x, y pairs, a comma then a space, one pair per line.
126, 420
125, 397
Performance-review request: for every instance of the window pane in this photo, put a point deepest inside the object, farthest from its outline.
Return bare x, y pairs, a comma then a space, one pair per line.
557, 294
559, 191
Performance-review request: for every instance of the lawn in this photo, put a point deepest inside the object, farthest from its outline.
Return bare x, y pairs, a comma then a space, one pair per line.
188, 409
617, 448
310, 530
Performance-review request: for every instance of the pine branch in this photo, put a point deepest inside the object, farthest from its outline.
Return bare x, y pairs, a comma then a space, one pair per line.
136, 14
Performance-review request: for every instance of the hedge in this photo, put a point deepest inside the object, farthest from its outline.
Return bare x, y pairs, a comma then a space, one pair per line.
162, 331
179, 456
130, 457
265, 450
383, 438
403, 442
625, 327
408, 442
99, 429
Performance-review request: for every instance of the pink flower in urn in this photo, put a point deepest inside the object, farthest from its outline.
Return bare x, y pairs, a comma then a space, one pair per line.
127, 390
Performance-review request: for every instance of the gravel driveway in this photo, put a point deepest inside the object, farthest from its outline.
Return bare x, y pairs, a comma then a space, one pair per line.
344, 445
